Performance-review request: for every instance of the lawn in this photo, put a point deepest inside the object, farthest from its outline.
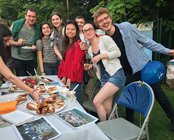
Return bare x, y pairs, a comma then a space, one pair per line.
159, 125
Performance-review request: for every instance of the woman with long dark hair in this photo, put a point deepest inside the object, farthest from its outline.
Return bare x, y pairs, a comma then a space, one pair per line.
5, 37
71, 68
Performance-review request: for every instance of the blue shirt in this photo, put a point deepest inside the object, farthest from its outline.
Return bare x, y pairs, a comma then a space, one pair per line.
134, 52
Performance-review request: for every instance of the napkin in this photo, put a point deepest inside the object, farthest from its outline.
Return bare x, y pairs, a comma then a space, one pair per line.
7, 107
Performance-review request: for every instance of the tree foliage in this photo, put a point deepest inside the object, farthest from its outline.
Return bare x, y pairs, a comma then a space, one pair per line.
138, 11
14, 9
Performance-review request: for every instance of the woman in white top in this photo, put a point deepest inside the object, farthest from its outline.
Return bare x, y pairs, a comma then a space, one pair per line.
104, 55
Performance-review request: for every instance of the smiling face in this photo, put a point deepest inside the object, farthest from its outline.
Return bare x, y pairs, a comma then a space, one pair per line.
71, 31
46, 30
89, 31
80, 22
56, 21
30, 17
104, 22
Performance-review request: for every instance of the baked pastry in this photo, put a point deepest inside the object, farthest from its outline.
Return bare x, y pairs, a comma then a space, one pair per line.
54, 96
32, 106
47, 105
59, 103
51, 89
41, 89
21, 99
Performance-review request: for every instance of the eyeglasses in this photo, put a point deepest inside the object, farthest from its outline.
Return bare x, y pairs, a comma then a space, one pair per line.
102, 20
88, 30
30, 16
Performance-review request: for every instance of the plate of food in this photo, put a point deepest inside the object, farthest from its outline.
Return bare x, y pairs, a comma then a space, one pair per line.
46, 80
41, 88
6, 85
14, 88
21, 98
48, 106
52, 89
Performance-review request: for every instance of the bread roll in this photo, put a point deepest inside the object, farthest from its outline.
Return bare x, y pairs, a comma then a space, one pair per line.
59, 103
50, 89
32, 106
21, 99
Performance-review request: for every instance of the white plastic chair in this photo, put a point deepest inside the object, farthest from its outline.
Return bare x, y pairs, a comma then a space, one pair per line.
138, 96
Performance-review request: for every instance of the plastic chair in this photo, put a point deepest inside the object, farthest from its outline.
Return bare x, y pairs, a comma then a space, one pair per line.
138, 96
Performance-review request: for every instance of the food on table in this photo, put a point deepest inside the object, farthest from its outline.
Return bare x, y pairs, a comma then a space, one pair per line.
47, 105
51, 89
41, 89
32, 106
45, 80
59, 103
14, 88
50, 100
21, 98
30, 81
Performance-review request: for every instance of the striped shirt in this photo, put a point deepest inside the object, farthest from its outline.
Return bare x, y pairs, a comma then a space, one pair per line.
49, 55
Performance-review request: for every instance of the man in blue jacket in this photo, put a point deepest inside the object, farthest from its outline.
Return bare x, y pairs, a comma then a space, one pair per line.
133, 57
24, 58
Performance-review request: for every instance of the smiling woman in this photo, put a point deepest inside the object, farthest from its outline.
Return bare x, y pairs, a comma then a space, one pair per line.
71, 68
104, 54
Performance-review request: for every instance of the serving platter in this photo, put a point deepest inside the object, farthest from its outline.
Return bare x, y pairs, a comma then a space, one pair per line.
56, 110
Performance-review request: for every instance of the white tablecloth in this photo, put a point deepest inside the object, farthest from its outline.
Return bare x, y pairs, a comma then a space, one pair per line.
89, 132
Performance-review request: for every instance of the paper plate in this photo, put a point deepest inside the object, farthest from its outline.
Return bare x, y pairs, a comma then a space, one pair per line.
27, 47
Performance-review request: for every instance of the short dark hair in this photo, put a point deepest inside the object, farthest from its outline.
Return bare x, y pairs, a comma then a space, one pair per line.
79, 17
29, 9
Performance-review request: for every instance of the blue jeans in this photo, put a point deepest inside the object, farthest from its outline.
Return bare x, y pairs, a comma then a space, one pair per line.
50, 68
79, 91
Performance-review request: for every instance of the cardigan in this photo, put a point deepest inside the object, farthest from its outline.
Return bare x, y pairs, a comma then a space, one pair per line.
109, 47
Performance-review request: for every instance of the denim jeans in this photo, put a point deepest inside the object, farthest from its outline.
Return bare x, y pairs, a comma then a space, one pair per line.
50, 68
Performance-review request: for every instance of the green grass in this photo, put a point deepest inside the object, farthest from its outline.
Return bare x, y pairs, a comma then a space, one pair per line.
159, 125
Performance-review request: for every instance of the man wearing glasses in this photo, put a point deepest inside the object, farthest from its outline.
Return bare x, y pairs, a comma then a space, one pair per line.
24, 56
133, 58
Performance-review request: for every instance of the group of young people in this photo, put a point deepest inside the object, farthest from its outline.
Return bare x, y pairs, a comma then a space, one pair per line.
61, 50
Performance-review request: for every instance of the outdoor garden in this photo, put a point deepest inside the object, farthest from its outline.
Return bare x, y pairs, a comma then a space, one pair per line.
159, 12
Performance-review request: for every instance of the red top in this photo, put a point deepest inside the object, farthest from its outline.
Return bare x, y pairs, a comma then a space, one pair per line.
72, 67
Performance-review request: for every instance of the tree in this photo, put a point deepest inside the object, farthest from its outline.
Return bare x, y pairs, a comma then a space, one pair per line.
68, 9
